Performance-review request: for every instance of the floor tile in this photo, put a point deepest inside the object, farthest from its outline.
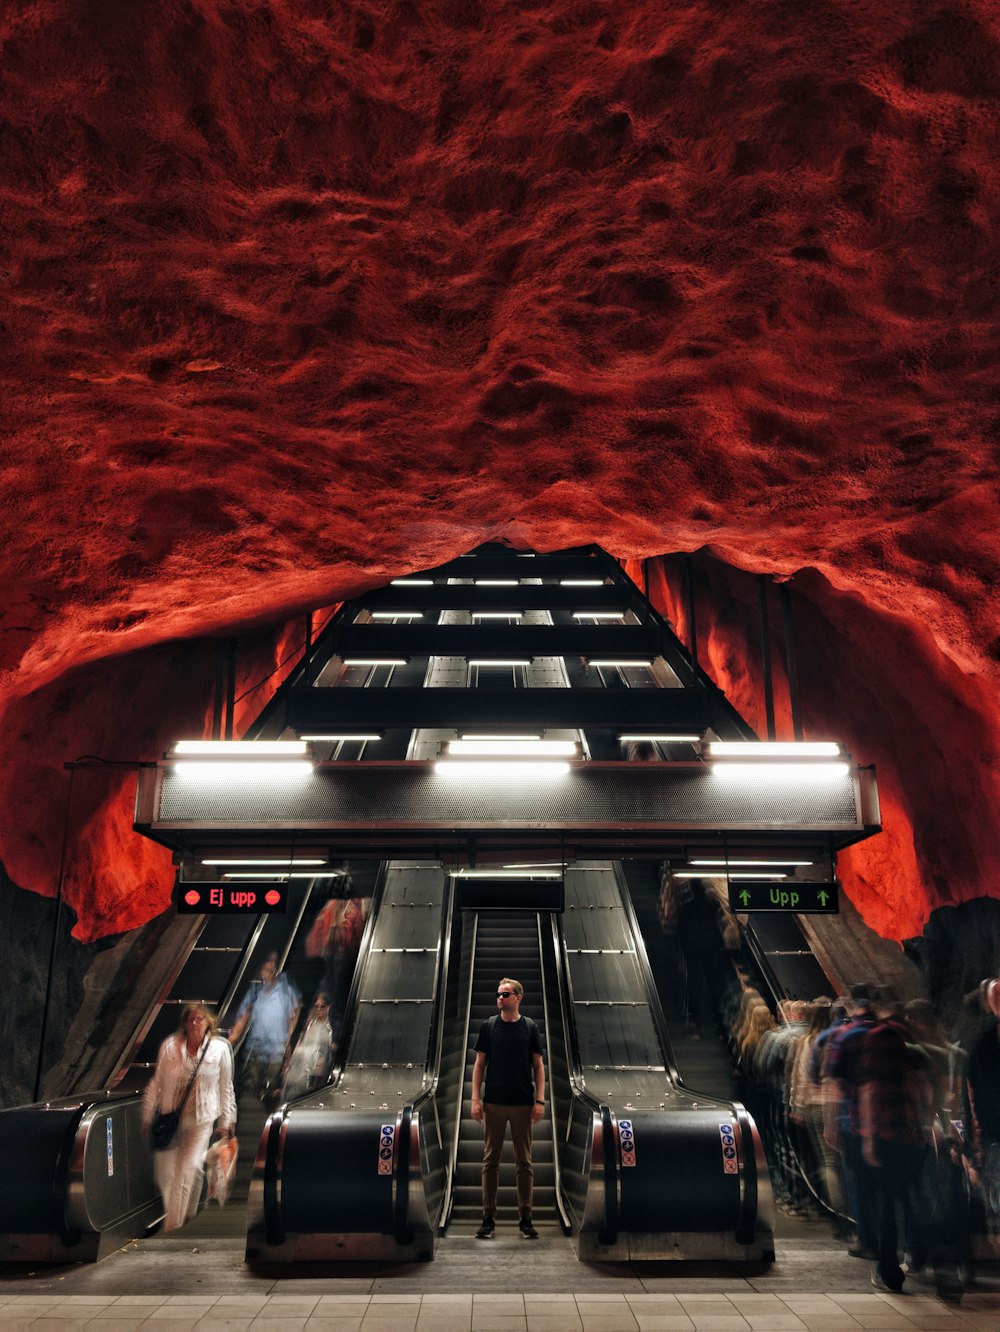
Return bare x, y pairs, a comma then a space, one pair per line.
675, 1322
554, 1323
321, 1324
666, 1302
223, 1324
703, 1323
774, 1322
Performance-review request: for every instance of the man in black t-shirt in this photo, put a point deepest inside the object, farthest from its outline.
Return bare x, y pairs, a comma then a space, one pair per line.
509, 1053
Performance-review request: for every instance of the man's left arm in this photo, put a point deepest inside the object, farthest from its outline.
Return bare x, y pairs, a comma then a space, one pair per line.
538, 1068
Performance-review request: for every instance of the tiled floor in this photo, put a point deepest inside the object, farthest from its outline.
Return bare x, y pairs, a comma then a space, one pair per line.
714, 1312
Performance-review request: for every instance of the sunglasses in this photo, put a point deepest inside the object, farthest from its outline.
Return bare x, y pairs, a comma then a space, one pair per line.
504, 994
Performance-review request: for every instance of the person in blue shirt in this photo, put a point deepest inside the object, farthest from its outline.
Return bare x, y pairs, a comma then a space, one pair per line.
268, 1014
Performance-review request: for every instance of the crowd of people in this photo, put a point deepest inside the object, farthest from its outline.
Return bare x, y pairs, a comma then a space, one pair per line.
874, 1118
192, 1096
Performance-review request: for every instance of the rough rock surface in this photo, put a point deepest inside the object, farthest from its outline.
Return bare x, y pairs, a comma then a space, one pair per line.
299, 296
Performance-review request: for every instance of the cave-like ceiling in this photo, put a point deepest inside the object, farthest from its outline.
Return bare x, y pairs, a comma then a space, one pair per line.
298, 296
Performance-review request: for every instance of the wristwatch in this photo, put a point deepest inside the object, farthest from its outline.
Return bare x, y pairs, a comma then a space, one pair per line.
539, 1102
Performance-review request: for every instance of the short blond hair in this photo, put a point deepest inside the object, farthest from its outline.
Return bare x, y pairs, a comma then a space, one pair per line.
209, 1016
515, 985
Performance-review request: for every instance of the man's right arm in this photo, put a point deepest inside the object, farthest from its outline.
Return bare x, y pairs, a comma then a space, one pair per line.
478, 1069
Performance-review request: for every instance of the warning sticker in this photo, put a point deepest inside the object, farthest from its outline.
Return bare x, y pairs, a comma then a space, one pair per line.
626, 1138
387, 1135
730, 1164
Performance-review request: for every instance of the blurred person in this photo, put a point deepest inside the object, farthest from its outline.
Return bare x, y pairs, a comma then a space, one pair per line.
774, 1053
833, 1172
308, 1066
842, 1123
193, 1066
268, 1014
895, 1105
944, 1193
805, 1103
982, 1106
335, 937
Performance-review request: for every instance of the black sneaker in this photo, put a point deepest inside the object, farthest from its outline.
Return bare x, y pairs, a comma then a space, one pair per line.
486, 1230
527, 1229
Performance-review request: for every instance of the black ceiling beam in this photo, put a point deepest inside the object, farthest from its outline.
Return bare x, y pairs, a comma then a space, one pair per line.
521, 566
548, 596
419, 640
313, 711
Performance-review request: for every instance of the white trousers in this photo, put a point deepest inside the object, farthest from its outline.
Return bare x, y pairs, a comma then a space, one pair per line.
180, 1171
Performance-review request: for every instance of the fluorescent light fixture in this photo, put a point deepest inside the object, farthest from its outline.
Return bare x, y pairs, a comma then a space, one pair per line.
623, 665
496, 582
412, 582
376, 661
397, 615
598, 615
240, 748
750, 862
466, 735
701, 874
755, 749
263, 860
777, 772
508, 748
526, 873
496, 615
367, 736
539, 864
253, 770
510, 661
581, 582
506, 769
652, 739
261, 877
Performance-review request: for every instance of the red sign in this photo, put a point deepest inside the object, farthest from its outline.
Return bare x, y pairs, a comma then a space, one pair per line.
235, 899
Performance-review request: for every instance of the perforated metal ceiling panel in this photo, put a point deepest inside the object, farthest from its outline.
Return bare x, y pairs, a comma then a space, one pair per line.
416, 796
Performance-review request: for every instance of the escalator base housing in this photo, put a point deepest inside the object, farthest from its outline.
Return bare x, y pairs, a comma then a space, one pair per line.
332, 1248
674, 1246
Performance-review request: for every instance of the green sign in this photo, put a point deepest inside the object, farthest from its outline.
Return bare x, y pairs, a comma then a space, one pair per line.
806, 899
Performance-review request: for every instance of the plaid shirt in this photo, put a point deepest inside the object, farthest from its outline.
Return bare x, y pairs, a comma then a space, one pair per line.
896, 1091
843, 1062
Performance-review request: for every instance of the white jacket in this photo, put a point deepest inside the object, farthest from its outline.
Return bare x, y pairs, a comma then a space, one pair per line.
212, 1097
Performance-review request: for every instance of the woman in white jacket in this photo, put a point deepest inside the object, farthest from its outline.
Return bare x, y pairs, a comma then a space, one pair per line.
179, 1170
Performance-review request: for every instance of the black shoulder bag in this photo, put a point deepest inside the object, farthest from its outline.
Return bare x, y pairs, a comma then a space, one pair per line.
164, 1128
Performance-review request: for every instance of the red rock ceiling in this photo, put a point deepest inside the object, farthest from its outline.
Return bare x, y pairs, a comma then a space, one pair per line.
298, 295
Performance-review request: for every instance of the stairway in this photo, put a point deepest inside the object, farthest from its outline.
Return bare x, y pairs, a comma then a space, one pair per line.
506, 945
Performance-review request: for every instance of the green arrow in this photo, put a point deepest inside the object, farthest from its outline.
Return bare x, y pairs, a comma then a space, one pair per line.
823, 896
744, 896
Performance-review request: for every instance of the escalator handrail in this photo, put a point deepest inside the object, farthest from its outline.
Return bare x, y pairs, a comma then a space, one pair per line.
548, 1053
451, 1158
433, 1056
578, 1088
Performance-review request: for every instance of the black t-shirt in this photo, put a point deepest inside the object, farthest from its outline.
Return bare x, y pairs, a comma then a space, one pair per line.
508, 1047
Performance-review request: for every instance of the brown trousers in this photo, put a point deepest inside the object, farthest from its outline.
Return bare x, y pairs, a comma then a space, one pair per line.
497, 1117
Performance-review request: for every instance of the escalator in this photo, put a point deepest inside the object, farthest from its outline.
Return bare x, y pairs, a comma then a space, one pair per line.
506, 944
634, 1164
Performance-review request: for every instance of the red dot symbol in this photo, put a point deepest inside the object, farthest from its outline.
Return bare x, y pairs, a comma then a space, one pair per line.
192, 897
273, 897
